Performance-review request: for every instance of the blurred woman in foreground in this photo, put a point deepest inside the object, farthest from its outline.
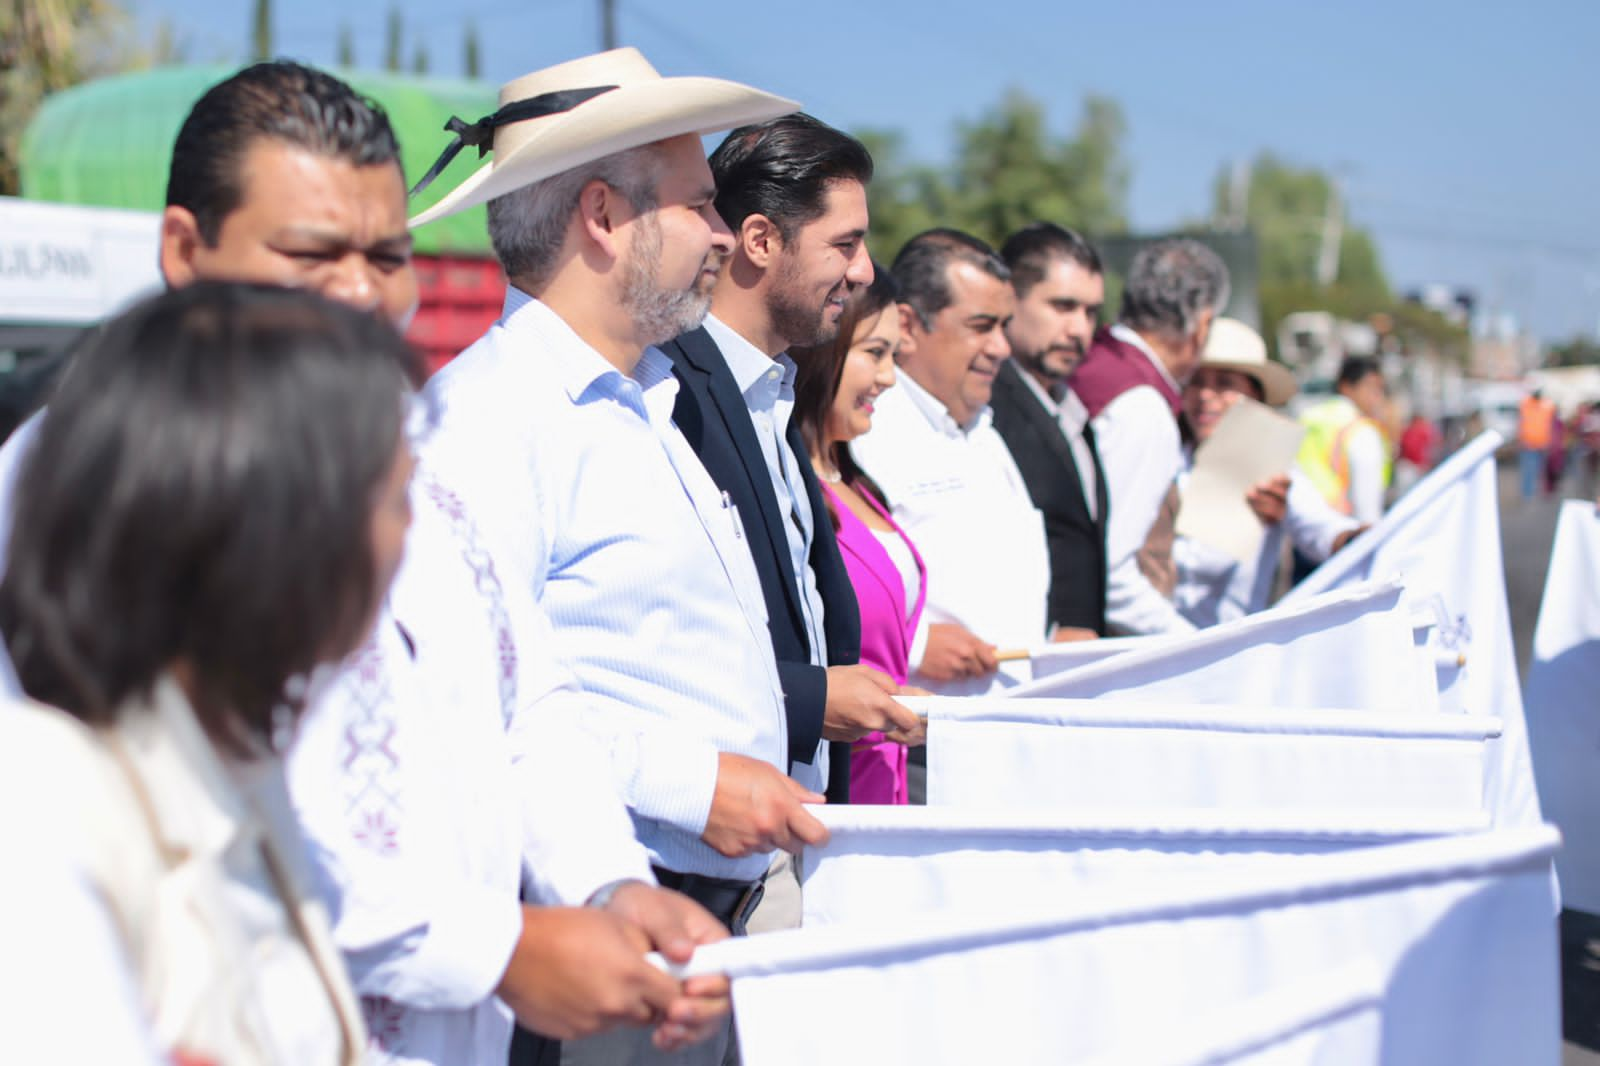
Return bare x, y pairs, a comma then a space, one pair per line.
215, 506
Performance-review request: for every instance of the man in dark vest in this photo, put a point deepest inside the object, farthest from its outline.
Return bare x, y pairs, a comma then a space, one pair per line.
1130, 383
1060, 289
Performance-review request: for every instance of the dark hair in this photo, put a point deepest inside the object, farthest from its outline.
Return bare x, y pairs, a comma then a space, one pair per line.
201, 489
1169, 283
1354, 369
298, 105
1030, 251
819, 369
923, 269
782, 168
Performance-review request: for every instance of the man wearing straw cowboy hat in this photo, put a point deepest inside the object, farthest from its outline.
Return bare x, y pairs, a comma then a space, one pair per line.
555, 429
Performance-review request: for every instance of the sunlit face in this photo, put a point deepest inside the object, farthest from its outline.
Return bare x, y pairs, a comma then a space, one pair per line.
1370, 395
1210, 393
818, 270
308, 222
675, 250
957, 359
868, 370
1055, 321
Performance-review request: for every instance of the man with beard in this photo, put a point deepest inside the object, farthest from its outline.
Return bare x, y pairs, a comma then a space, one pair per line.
1060, 289
556, 431
793, 190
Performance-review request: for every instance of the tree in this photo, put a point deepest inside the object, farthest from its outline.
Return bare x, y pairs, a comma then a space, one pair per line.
1010, 170
419, 59
1578, 351
471, 57
261, 31
391, 48
347, 47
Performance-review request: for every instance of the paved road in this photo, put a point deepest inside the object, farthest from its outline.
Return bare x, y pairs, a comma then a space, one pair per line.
1527, 528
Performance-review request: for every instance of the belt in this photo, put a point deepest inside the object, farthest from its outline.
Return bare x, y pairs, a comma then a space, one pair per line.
731, 902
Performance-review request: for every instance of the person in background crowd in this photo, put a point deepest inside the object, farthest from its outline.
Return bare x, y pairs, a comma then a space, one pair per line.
1418, 451
555, 431
1060, 289
1535, 417
1555, 456
166, 608
1131, 383
1213, 586
835, 394
794, 191
1345, 452
950, 482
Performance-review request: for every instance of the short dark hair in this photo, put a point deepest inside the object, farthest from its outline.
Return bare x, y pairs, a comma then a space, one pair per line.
1354, 369
1169, 283
201, 489
282, 100
923, 268
782, 168
1030, 251
818, 369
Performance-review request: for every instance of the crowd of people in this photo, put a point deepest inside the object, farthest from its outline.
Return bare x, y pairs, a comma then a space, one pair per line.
372, 718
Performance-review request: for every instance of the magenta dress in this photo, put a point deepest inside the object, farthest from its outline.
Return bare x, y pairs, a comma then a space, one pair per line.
878, 766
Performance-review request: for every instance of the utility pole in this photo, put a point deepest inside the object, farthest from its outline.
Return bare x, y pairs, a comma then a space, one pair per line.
1332, 234
608, 25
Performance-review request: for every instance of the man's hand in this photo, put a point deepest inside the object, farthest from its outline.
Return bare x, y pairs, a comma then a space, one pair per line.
1072, 634
756, 808
675, 925
578, 971
953, 653
1347, 536
860, 701
1269, 499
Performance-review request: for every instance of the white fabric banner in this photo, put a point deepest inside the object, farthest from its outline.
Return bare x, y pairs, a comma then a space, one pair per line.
1087, 754
1563, 712
1302, 655
884, 862
1444, 536
1459, 930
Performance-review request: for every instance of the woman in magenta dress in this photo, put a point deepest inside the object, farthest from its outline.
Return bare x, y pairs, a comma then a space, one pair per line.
834, 392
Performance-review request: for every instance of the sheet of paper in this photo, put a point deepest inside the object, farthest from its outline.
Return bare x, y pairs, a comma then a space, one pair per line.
1251, 443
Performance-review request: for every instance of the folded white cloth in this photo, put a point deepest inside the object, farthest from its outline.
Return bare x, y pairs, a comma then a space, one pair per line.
1087, 754
1563, 718
1458, 928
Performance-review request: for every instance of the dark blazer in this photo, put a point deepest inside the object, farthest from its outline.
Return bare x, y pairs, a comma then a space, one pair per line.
712, 415
1077, 542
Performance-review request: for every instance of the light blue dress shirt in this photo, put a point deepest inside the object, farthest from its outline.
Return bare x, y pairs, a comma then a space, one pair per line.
584, 488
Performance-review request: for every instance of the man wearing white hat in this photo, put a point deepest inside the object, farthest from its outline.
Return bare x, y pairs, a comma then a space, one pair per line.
1213, 586
555, 429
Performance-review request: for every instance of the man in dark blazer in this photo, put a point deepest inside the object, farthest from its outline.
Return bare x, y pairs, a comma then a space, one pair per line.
1060, 287
793, 191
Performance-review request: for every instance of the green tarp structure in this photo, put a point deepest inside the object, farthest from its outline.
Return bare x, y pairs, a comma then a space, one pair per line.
108, 143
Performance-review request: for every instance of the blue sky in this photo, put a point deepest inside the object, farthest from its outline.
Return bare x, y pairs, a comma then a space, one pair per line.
1468, 133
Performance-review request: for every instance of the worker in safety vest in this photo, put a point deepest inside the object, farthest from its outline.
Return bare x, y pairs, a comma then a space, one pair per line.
1535, 429
1345, 452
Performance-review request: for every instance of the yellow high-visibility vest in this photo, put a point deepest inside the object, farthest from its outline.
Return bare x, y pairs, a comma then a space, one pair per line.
1324, 455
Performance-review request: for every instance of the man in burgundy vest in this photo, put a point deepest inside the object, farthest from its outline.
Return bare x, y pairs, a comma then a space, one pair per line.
1130, 382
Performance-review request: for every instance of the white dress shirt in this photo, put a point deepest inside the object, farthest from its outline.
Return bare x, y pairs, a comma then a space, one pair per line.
1215, 587
179, 890
1141, 454
957, 493
767, 385
588, 494
1072, 416
436, 774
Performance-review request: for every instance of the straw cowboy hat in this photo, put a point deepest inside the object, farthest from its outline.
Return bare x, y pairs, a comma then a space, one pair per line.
1233, 345
564, 116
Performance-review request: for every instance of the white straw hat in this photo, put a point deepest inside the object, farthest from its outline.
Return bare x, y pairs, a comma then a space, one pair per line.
1232, 345
576, 112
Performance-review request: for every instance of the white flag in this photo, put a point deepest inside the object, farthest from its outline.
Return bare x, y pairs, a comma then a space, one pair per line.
1444, 536
1563, 696
1458, 931
1088, 754
1353, 648
881, 862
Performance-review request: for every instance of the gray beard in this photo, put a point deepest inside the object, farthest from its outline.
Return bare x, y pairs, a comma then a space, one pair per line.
658, 314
